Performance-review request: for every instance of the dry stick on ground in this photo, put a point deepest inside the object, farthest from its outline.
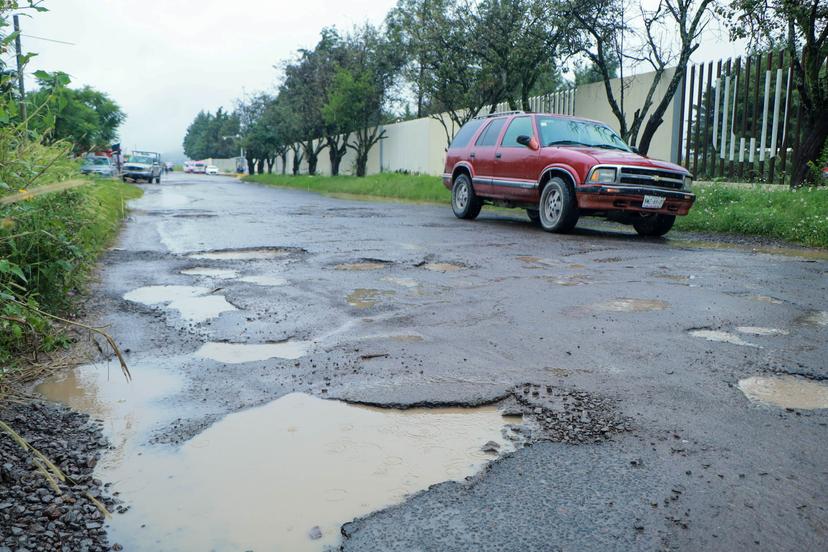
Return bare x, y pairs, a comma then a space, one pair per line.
47, 468
98, 331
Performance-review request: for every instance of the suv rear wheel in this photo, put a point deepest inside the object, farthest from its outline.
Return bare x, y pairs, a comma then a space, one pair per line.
654, 225
464, 202
558, 209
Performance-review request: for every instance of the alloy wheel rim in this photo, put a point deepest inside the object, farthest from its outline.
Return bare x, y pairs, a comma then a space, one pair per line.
462, 196
553, 206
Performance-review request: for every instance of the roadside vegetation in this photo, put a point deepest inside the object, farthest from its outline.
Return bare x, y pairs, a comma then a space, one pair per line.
53, 223
798, 215
386, 185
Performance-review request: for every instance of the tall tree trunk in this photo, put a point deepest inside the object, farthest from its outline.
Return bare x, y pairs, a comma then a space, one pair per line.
260, 165
361, 163
312, 161
809, 151
270, 162
283, 155
251, 166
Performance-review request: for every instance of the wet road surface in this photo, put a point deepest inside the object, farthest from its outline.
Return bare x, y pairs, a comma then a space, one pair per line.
663, 394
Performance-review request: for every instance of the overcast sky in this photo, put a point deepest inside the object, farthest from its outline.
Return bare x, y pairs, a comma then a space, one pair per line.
164, 60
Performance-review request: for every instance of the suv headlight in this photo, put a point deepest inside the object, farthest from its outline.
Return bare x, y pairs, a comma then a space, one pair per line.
688, 181
602, 176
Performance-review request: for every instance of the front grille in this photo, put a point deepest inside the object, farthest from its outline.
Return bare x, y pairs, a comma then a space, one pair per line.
651, 177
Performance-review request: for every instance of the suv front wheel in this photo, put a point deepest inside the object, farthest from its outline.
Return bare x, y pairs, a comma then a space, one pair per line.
464, 202
558, 208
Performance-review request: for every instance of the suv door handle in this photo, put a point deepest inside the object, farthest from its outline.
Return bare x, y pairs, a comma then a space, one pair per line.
497, 155
472, 155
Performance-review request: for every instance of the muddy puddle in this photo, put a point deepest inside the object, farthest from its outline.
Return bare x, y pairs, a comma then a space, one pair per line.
264, 478
444, 267
759, 331
238, 353
816, 318
363, 298
631, 305
252, 254
720, 336
364, 265
221, 273
193, 303
403, 282
264, 280
786, 392
766, 299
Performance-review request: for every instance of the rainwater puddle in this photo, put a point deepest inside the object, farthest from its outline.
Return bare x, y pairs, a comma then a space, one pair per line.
367, 265
366, 298
404, 282
631, 305
570, 280
262, 478
816, 318
721, 337
193, 303
238, 353
755, 330
223, 273
786, 392
241, 254
443, 267
766, 299
264, 280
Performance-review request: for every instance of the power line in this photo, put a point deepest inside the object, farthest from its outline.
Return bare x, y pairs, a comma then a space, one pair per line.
49, 40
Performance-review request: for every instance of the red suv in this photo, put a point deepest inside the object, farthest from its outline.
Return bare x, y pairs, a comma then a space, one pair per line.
561, 168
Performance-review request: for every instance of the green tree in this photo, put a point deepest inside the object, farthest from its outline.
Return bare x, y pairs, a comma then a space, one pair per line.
212, 135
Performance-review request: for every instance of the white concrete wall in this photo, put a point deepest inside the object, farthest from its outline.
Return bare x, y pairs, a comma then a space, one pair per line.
419, 145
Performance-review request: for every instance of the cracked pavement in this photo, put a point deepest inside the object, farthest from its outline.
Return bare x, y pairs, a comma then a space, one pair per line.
640, 437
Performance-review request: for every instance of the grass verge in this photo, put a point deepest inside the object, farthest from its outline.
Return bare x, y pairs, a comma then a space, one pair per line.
386, 185
48, 246
799, 216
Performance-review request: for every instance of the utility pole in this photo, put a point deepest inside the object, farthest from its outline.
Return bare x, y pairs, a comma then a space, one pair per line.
18, 50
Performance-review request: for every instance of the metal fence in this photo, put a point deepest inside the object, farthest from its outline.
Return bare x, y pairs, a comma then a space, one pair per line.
740, 119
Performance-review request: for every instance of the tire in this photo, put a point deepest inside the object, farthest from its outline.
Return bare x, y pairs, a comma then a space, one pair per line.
557, 208
464, 202
534, 215
654, 225
158, 179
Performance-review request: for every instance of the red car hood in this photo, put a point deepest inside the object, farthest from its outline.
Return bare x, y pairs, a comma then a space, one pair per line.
617, 157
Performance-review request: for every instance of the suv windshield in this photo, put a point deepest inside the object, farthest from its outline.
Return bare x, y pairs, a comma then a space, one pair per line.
142, 159
556, 131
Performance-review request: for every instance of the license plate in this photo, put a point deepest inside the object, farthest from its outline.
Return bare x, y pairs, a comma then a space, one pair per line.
652, 202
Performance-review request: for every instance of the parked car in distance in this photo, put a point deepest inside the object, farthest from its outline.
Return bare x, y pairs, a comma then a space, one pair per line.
142, 167
99, 165
560, 168
199, 167
211, 169
188, 166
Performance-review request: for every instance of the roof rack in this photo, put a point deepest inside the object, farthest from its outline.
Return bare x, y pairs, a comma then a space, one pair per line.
500, 114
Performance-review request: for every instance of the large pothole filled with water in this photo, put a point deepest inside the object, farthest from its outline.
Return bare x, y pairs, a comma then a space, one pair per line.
786, 392
283, 476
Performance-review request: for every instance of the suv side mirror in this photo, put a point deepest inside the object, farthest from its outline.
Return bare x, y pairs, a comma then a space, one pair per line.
528, 141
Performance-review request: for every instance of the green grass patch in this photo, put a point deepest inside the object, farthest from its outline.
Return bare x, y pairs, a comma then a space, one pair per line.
799, 216
410, 187
48, 246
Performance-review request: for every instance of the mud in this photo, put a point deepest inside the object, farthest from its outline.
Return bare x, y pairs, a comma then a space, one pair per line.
755, 330
366, 298
786, 392
816, 318
250, 254
631, 305
362, 266
221, 273
444, 267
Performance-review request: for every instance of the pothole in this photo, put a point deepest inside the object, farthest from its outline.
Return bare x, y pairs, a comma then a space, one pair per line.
444, 267
721, 337
570, 280
816, 318
785, 392
221, 273
264, 280
756, 330
238, 353
245, 254
404, 282
538, 262
193, 303
264, 478
766, 299
368, 264
363, 298
631, 305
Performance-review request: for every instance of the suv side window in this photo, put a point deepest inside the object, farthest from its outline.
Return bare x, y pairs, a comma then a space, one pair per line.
464, 135
519, 126
489, 136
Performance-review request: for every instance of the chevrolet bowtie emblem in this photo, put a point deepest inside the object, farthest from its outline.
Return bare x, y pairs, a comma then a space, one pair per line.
657, 178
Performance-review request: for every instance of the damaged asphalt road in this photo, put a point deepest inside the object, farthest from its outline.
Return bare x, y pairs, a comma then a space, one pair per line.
622, 355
